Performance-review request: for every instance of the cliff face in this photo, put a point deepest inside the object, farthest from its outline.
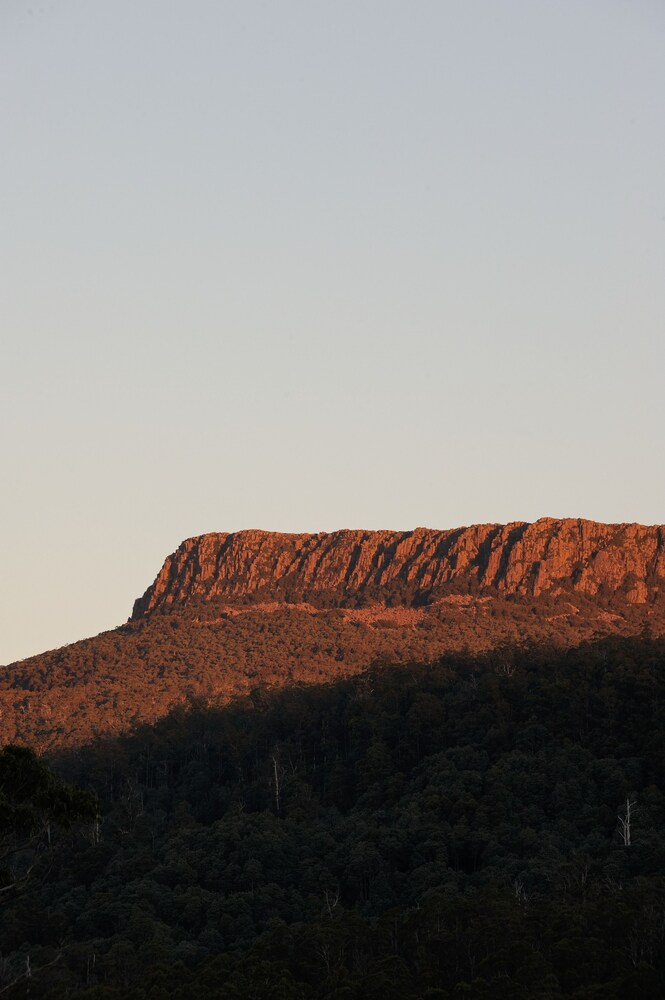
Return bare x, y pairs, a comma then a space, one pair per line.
625, 561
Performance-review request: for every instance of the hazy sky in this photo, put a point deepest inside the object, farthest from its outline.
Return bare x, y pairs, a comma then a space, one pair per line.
310, 265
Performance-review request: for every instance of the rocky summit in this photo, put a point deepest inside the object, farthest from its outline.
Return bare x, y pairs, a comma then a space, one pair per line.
414, 567
232, 613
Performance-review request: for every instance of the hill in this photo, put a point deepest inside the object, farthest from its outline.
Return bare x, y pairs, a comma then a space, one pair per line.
489, 826
231, 612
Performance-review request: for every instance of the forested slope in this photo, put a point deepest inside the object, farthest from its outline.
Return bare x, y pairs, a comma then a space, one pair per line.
445, 830
214, 651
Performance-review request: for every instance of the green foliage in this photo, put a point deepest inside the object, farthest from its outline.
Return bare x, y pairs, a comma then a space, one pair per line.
34, 802
30, 792
442, 831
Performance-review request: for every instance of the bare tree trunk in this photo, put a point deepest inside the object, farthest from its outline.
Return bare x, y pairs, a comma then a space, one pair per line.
331, 901
275, 768
625, 821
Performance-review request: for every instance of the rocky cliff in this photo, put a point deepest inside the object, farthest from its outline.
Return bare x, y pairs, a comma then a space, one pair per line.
603, 561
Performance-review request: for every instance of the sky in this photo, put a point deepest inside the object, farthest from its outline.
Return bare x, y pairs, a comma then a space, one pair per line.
305, 265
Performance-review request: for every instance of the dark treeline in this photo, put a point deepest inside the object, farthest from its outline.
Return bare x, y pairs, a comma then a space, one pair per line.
489, 826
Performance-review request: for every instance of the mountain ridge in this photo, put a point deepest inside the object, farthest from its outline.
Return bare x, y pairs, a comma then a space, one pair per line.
230, 613
526, 558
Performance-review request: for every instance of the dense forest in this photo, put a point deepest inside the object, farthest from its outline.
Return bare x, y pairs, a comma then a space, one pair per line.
217, 651
491, 825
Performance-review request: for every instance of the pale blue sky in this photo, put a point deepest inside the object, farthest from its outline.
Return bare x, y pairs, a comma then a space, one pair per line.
310, 265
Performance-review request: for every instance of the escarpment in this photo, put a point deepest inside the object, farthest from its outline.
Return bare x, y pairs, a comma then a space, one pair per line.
230, 613
414, 567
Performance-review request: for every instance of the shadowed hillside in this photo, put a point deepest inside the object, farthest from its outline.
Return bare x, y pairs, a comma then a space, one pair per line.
490, 826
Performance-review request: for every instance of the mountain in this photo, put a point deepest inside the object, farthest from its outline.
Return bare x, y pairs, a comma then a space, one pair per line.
228, 613
626, 560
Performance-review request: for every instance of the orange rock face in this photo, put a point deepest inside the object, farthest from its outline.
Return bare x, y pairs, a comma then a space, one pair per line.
625, 561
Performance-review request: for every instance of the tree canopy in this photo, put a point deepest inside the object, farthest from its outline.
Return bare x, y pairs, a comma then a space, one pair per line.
424, 831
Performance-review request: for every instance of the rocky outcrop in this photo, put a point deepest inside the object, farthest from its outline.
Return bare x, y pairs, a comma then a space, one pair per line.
606, 561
